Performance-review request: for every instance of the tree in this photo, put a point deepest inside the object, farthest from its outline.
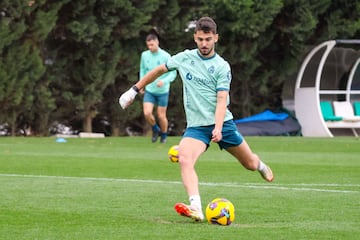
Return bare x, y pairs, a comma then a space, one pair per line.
90, 43
23, 32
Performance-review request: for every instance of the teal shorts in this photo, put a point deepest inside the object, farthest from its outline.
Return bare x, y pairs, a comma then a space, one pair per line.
230, 135
160, 100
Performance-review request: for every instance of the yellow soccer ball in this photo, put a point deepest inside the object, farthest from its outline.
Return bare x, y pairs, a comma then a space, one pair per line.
220, 211
173, 154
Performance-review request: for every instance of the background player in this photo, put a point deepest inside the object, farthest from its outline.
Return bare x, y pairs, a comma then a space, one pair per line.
157, 92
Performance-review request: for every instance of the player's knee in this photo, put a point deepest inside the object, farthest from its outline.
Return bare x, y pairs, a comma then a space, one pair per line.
148, 114
185, 162
162, 116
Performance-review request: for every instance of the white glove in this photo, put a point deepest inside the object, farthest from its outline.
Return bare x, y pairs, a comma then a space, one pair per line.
127, 98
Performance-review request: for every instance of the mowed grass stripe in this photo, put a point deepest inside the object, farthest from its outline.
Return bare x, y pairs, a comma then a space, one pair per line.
290, 187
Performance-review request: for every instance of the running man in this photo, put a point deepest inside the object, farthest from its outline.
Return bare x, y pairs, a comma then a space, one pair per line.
157, 92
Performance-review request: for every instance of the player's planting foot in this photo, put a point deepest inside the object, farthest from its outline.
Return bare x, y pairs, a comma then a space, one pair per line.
266, 173
187, 211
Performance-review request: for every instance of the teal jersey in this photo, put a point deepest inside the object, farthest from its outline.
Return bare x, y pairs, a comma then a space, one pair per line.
151, 60
202, 78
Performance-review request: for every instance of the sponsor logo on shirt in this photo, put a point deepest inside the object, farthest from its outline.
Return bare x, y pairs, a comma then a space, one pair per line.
188, 76
202, 81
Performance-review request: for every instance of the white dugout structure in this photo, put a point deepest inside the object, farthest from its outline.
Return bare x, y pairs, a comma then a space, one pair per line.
330, 72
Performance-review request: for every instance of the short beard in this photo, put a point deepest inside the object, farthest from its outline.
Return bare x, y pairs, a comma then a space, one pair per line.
206, 53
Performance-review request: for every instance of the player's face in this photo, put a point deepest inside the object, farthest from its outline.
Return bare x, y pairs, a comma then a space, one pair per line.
206, 42
152, 45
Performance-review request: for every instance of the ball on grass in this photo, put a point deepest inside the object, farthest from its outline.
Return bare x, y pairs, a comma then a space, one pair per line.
173, 153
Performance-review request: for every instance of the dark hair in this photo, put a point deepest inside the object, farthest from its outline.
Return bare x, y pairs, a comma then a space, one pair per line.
151, 36
206, 24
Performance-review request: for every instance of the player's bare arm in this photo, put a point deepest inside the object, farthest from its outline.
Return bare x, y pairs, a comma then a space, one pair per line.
221, 105
151, 76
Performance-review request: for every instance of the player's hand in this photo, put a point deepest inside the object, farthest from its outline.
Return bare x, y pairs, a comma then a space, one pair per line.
216, 135
127, 98
160, 83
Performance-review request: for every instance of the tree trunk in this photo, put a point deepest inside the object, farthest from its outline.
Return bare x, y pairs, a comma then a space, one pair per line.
87, 123
115, 130
13, 124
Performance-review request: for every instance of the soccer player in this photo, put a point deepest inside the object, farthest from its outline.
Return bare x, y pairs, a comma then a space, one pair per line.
206, 78
157, 92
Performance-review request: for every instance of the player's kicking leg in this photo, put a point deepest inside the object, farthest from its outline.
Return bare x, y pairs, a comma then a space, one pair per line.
250, 160
265, 171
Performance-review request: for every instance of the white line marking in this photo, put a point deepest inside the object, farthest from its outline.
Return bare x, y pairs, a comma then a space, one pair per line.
293, 187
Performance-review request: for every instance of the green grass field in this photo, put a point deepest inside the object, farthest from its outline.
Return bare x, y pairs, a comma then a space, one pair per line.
125, 188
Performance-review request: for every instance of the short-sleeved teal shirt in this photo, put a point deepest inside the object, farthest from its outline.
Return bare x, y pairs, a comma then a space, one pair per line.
150, 60
202, 79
